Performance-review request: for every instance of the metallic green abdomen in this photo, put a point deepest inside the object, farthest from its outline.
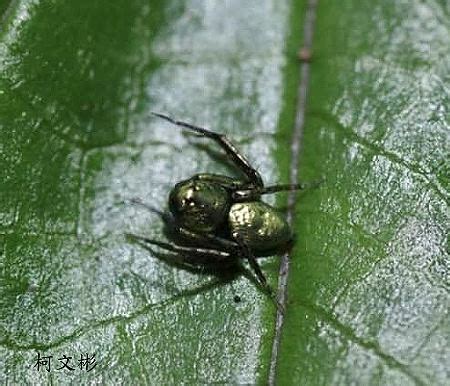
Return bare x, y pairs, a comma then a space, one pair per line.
260, 225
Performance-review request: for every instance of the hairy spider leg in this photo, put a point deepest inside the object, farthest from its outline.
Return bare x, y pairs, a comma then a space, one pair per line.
240, 161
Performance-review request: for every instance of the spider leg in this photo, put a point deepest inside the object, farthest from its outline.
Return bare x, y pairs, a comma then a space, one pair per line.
257, 270
208, 257
287, 187
138, 202
224, 181
231, 248
235, 247
197, 255
248, 255
239, 160
165, 217
208, 239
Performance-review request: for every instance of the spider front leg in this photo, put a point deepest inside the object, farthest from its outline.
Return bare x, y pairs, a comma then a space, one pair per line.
239, 160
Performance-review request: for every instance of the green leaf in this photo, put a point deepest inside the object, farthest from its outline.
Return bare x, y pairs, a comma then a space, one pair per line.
368, 292
369, 281
79, 80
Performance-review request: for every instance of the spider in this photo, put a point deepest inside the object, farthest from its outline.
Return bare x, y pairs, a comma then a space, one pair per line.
220, 220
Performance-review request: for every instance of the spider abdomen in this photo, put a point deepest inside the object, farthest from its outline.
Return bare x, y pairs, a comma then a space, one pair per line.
259, 225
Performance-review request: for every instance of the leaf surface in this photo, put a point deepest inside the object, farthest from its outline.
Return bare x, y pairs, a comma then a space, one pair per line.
369, 281
79, 80
368, 292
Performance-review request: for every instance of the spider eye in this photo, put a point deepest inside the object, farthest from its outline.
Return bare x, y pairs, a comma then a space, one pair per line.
186, 203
